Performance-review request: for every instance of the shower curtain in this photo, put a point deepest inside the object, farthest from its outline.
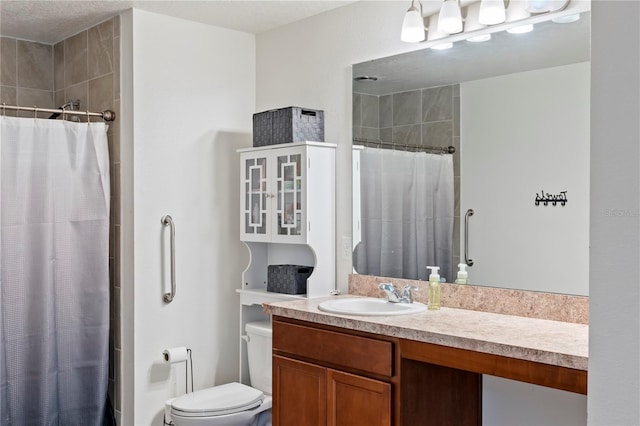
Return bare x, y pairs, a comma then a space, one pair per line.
54, 275
406, 214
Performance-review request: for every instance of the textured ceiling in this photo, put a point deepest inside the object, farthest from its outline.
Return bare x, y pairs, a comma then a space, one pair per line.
54, 20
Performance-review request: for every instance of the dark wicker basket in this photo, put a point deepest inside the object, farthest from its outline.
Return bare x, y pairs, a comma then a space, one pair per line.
289, 279
286, 125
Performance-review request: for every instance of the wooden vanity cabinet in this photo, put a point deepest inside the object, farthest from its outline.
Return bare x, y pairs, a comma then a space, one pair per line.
324, 375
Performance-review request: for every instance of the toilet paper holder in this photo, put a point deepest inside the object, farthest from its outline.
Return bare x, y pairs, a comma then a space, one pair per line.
177, 355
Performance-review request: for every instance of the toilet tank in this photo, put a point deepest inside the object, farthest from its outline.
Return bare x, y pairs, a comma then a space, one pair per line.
259, 354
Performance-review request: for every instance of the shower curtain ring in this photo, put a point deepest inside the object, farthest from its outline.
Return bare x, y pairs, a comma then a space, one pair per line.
88, 117
4, 108
35, 112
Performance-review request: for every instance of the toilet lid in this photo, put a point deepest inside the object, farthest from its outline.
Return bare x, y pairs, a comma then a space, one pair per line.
218, 400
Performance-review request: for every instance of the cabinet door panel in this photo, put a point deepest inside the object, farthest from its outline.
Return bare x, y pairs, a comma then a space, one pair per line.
357, 401
299, 391
289, 213
255, 197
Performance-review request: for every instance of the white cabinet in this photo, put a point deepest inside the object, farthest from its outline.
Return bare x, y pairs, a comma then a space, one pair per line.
287, 216
273, 185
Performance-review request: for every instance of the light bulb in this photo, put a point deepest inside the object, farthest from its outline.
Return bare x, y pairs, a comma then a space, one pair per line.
450, 17
412, 26
492, 12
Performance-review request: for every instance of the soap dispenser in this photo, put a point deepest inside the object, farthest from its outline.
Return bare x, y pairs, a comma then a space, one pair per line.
434, 288
463, 275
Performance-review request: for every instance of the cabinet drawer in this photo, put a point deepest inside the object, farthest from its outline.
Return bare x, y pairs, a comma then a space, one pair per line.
356, 352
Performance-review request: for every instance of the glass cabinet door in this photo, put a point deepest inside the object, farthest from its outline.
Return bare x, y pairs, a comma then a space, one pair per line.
289, 175
255, 188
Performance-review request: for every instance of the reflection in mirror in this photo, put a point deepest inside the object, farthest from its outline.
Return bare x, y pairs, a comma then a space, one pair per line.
516, 109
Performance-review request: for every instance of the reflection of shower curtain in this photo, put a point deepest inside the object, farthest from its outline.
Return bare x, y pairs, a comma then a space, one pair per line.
54, 276
407, 214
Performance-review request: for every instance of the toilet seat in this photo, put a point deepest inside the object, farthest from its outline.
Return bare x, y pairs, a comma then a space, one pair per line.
217, 401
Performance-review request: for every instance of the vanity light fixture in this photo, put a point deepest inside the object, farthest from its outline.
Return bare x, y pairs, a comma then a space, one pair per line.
413, 25
472, 25
450, 17
517, 11
484, 17
492, 12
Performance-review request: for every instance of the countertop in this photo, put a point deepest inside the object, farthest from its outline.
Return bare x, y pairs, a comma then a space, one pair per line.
550, 342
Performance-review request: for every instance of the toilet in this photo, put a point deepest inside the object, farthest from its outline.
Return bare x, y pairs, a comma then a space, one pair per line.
232, 404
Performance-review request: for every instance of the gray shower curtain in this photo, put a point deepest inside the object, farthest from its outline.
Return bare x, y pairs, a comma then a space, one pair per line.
406, 203
54, 276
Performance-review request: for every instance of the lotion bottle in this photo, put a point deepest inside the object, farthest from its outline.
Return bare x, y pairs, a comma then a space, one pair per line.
463, 275
434, 288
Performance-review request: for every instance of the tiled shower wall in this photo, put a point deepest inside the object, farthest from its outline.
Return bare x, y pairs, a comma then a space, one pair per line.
84, 67
422, 117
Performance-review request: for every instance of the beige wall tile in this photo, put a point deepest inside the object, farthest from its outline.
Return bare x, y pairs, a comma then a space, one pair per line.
118, 379
35, 65
78, 92
8, 96
58, 66
101, 93
116, 255
34, 97
75, 59
115, 195
116, 26
116, 68
59, 98
8, 52
112, 361
100, 49
116, 318
114, 135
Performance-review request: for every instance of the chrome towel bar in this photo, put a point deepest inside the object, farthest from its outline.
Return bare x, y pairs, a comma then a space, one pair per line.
167, 221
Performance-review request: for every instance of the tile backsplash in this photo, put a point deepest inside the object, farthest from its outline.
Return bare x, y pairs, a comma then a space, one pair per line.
523, 303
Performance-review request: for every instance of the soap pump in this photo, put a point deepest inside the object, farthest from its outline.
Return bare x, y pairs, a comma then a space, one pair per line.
434, 288
463, 275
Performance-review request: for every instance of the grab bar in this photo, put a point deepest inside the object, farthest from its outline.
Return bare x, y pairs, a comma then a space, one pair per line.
468, 261
167, 221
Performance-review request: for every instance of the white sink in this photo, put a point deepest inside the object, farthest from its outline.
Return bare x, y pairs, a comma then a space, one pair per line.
369, 306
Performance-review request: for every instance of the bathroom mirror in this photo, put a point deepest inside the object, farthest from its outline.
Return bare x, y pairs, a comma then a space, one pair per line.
516, 109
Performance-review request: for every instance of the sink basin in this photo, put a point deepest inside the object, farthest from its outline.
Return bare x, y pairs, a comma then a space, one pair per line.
369, 306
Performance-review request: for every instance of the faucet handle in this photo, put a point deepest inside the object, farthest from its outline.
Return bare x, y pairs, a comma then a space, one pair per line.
390, 291
407, 294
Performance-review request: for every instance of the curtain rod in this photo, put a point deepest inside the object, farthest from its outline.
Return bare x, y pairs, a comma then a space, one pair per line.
107, 115
378, 144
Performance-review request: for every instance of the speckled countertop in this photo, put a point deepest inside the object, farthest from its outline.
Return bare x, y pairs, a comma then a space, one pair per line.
550, 342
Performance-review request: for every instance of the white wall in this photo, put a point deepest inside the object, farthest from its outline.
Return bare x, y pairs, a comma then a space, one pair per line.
614, 292
308, 64
539, 121
193, 95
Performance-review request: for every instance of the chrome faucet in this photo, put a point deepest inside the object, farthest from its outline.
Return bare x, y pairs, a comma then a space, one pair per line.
392, 293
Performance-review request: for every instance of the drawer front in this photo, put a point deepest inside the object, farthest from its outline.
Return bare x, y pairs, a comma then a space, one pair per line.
360, 353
